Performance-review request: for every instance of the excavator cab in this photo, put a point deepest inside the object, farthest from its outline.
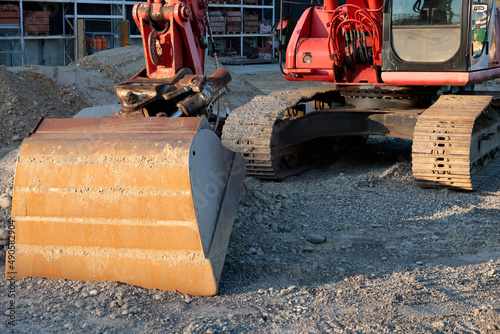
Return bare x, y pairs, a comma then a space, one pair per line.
423, 32
449, 36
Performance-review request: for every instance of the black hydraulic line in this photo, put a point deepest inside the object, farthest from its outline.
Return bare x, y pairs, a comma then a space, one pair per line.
347, 41
336, 73
353, 46
365, 48
346, 74
280, 44
360, 48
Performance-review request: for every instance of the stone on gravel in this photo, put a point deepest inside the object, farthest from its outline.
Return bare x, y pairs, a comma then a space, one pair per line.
308, 249
315, 238
492, 272
4, 234
257, 217
93, 292
5, 201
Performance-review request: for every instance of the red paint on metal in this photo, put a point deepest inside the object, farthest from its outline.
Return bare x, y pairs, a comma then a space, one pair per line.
341, 44
426, 78
439, 78
170, 33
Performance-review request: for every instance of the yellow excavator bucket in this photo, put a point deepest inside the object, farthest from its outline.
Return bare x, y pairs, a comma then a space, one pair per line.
145, 201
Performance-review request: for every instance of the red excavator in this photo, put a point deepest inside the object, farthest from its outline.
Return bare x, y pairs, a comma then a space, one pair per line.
148, 197
389, 68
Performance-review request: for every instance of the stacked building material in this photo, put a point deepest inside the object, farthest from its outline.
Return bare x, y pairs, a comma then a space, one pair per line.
224, 2
233, 19
9, 14
251, 2
36, 22
251, 22
218, 22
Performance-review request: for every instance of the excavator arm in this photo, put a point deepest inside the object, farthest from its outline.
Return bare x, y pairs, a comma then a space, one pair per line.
148, 201
173, 82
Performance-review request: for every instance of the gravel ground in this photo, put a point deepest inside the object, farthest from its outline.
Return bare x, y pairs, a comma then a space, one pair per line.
351, 246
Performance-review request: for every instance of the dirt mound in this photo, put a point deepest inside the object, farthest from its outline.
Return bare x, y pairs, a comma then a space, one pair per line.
117, 64
26, 97
121, 63
32, 92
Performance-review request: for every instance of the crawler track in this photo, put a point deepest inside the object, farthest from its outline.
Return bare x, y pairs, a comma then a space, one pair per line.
453, 140
251, 131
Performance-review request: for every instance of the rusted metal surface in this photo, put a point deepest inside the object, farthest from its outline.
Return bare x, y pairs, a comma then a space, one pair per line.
145, 201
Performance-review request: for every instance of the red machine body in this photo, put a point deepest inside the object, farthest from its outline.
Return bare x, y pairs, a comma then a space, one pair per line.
320, 43
173, 36
371, 42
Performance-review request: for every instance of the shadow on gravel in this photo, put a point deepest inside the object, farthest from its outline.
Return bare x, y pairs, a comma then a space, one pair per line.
376, 222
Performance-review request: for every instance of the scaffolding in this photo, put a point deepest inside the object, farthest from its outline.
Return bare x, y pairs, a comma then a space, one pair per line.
68, 15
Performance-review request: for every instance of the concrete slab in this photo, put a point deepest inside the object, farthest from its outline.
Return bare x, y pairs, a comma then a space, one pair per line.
98, 112
254, 69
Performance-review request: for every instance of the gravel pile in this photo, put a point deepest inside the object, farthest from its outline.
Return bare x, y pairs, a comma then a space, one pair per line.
28, 93
25, 97
351, 246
